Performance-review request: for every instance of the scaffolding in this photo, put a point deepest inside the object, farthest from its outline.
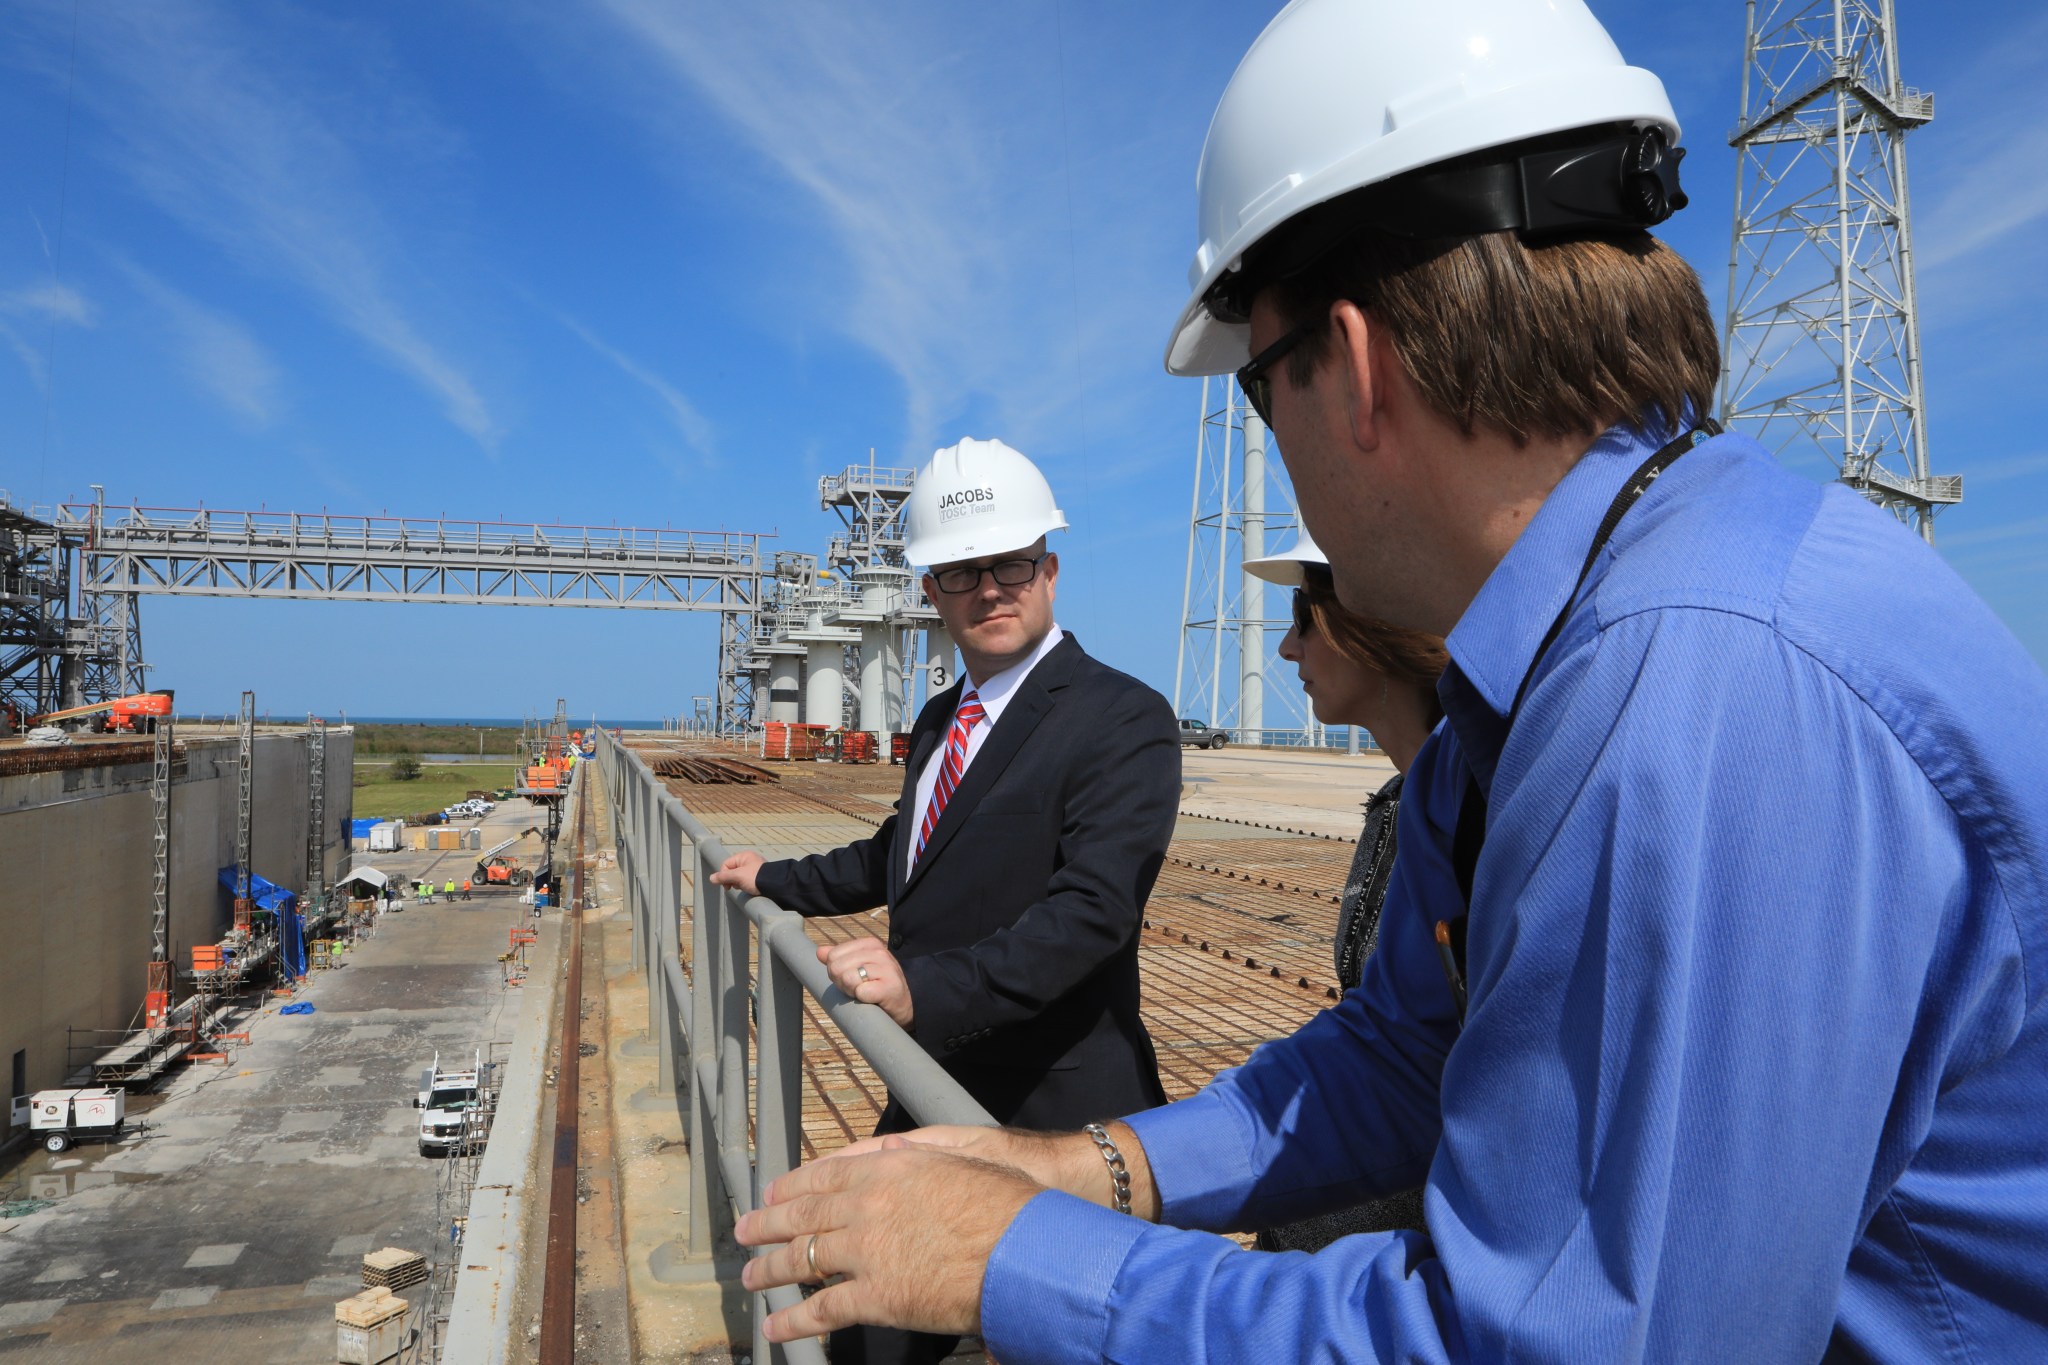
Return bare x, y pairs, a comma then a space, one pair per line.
157, 1003
316, 818
245, 836
1821, 347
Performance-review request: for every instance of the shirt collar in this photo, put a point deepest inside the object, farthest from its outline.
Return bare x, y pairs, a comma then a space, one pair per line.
995, 694
1495, 641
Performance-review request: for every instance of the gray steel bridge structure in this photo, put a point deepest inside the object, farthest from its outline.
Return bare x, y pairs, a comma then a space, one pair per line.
115, 556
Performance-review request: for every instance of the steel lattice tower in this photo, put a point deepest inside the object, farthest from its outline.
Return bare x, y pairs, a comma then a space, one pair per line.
1243, 508
1821, 349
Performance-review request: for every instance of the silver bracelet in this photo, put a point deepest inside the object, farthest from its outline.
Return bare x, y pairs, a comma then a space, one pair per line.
1119, 1173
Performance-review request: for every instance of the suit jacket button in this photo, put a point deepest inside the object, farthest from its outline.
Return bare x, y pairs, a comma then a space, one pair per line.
895, 940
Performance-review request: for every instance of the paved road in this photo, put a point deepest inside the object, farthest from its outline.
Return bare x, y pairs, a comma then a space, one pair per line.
230, 1229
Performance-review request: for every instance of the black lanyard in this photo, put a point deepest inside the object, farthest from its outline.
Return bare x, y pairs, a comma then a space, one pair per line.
1470, 835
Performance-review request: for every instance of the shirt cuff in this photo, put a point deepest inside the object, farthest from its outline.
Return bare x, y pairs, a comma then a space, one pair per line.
1200, 1152
1045, 1295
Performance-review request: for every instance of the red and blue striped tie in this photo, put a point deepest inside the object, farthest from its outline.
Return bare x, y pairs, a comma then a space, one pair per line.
965, 719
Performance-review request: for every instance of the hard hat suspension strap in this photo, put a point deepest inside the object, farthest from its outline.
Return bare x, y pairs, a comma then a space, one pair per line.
1607, 179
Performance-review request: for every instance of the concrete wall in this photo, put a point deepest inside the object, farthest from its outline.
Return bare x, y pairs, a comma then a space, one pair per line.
76, 878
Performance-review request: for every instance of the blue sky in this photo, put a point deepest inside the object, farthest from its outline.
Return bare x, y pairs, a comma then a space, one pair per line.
665, 264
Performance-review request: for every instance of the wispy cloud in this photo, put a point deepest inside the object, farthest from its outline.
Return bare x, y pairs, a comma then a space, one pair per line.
2031, 529
52, 302
1982, 201
888, 139
218, 353
219, 130
688, 420
2011, 467
31, 359
51, 305
1992, 124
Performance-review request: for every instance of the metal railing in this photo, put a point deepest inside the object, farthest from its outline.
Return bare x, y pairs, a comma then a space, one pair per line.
749, 964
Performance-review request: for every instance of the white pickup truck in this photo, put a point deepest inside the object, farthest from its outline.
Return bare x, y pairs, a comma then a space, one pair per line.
454, 1108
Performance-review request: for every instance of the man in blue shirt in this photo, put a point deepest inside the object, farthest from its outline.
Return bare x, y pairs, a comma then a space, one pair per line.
1710, 1001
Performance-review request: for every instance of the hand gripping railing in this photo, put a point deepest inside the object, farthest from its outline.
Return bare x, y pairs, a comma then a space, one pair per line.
699, 1024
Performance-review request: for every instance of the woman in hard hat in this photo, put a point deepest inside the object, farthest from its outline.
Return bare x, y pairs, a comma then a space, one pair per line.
1363, 672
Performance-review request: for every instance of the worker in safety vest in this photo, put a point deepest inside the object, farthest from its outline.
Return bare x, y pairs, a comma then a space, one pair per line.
465, 888
1710, 1005
448, 889
425, 891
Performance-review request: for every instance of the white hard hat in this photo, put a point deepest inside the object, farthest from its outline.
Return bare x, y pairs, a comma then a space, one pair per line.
1338, 95
976, 498
1285, 568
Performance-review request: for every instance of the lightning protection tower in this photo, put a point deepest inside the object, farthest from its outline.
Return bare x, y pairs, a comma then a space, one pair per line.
1243, 508
1821, 351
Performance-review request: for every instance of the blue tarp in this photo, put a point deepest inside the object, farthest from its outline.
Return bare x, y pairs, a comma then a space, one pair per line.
267, 895
298, 1007
291, 941
360, 829
291, 930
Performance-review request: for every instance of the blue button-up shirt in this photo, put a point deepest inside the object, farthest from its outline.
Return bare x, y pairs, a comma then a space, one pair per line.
1756, 1064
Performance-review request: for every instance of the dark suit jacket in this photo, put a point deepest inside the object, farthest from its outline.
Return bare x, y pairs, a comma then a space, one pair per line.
1018, 928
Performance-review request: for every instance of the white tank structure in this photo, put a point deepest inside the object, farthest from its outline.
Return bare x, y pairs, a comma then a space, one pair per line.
785, 689
881, 589
941, 669
825, 689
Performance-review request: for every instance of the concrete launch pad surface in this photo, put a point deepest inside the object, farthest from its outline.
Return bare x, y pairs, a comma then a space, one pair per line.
231, 1227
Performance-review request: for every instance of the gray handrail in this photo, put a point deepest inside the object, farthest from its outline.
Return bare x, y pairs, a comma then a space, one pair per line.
666, 857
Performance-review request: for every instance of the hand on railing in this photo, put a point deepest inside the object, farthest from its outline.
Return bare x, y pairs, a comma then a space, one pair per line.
909, 1228
866, 970
738, 872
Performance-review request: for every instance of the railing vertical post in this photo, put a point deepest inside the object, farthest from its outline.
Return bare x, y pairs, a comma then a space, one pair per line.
704, 975
661, 1004
636, 826
777, 1090
733, 1001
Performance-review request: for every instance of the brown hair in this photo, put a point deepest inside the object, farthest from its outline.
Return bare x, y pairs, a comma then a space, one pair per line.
1406, 656
1554, 339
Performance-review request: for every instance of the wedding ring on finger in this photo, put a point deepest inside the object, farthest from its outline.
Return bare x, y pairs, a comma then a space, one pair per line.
862, 973
811, 1259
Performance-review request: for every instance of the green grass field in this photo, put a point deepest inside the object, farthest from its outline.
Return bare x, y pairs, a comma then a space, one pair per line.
438, 785
434, 739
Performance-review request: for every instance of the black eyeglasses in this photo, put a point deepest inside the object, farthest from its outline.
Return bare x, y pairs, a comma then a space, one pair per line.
1010, 573
1304, 615
1253, 379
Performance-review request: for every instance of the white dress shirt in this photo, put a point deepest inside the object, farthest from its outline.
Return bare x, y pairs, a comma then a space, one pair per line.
993, 695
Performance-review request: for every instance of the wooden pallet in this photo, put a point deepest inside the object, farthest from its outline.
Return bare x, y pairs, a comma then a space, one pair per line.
393, 1268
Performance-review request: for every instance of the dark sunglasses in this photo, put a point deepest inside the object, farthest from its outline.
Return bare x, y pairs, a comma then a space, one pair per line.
1304, 614
1011, 573
1254, 379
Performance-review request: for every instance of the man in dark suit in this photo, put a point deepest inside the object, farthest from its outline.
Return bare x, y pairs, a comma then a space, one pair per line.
1037, 804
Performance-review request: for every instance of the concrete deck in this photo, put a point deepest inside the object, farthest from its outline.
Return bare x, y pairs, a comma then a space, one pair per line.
229, 1230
